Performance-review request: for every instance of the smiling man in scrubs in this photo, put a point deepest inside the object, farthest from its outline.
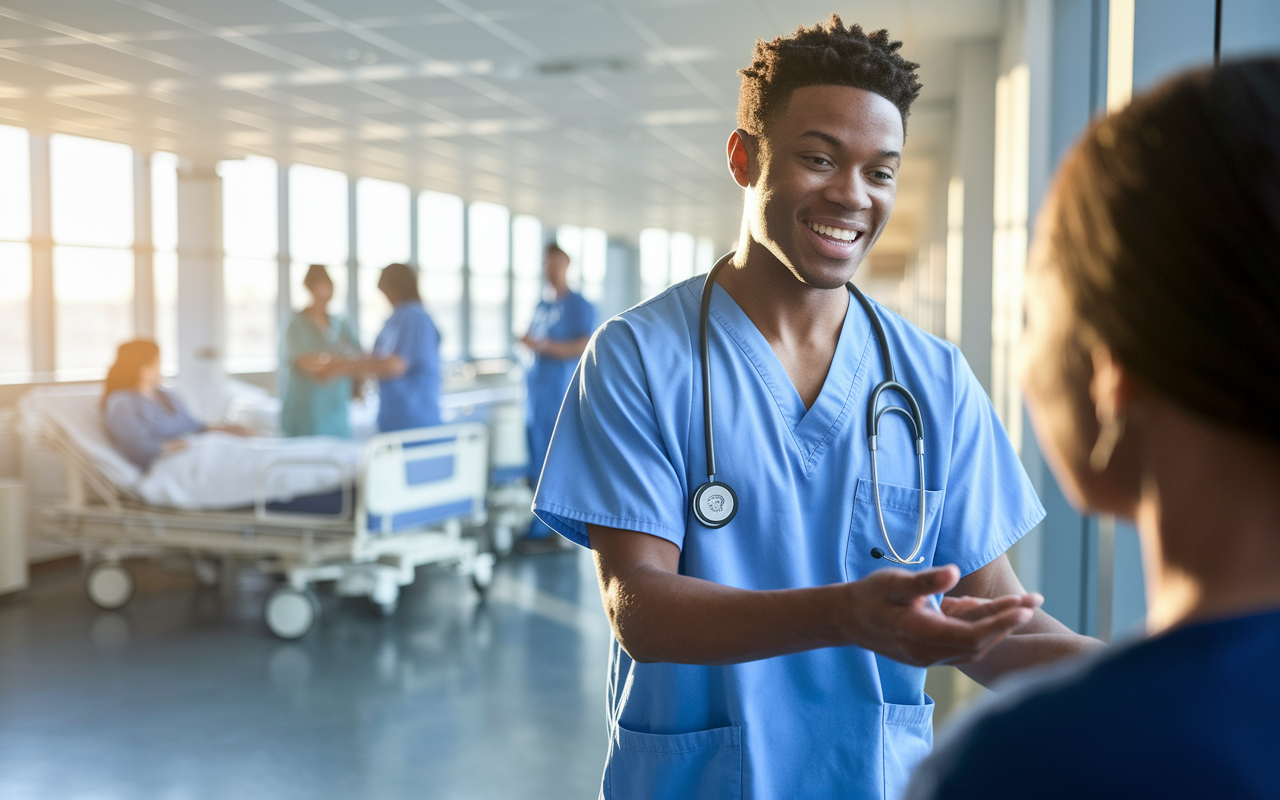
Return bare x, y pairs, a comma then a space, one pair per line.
774, 657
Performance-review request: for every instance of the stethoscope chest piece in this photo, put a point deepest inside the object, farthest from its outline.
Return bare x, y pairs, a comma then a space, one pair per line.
715, 504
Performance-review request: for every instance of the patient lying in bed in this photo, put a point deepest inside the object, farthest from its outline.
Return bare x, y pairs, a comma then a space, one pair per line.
144, 419
183, 463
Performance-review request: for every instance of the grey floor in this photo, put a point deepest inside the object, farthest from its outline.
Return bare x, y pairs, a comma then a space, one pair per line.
184, 694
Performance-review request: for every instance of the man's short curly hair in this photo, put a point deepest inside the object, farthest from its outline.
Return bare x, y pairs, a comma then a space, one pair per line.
826, 54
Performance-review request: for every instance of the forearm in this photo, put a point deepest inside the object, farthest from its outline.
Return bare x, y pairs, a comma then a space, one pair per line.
1037, 643
687, 620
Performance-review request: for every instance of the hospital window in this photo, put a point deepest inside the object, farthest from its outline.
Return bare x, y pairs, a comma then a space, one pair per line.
318, 232
164, 241
681, 255
489, 251
15, 254
588, 250
440, 254
249, 274
91, 192
526, 269
655, 261
706, 255
382, 238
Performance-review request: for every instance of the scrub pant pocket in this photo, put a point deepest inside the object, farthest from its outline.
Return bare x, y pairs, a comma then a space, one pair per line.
706, 765
908, 738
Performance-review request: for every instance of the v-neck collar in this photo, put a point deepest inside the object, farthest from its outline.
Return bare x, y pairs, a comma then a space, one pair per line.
811, 428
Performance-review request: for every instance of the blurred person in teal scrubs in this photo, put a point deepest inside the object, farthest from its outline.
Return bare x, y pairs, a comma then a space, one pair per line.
312, 402
562, 326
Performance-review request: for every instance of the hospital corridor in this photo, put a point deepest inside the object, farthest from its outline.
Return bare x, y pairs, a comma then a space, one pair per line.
658, 399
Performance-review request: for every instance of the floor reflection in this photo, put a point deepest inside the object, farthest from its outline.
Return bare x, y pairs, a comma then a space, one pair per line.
184, 693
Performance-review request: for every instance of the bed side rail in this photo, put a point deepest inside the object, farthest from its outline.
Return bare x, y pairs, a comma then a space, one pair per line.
80, 470
416, 478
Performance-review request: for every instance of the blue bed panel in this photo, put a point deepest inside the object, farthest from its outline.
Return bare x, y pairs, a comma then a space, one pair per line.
421, 516
428, 470
504, 475
327, 503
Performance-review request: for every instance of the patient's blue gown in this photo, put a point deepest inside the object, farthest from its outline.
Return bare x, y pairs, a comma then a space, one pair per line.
140, 425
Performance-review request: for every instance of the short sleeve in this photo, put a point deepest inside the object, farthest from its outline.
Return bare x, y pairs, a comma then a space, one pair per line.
989, 503
294, 344
609, 463
347, 335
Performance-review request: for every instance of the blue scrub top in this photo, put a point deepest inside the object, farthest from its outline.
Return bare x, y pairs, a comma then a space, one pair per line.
628, 452
413, 399
563, 319
1191, 713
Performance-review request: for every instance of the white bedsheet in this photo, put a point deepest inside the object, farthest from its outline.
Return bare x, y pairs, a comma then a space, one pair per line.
215, 471
218, 470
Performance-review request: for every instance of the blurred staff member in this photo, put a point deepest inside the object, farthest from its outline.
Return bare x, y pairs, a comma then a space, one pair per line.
1151, 367
312, 405
562, 326
405, 359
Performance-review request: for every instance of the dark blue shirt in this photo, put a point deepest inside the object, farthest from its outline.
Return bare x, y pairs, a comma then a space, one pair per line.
413, 399
1192, 713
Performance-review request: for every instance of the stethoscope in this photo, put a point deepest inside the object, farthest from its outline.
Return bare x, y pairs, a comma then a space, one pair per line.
715, 503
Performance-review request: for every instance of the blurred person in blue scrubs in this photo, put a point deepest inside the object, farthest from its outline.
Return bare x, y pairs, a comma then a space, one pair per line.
777, 656
561, 328
1151, 367
311, 405
405, 358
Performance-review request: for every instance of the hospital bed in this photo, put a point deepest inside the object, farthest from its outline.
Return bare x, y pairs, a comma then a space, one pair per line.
413, 495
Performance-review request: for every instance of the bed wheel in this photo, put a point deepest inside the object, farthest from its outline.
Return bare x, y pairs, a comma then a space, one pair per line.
109, 585
482, 572
208, 571
290, 613
389, 609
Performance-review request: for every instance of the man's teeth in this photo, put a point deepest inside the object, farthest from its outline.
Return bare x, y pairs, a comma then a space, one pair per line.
835, 233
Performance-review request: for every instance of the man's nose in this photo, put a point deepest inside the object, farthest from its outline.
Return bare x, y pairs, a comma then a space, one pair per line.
850, 190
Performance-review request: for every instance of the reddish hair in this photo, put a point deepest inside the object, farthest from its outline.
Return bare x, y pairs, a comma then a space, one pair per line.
126, 373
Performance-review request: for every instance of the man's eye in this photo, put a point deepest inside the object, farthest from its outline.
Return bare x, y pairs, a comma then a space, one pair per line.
820, 161
883, 176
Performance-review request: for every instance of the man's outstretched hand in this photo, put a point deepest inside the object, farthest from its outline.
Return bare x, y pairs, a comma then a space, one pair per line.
892, 612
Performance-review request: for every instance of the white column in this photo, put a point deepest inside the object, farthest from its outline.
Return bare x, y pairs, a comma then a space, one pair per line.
44, 329
971, 208
201, 335
353, 256
144, 295
284, 255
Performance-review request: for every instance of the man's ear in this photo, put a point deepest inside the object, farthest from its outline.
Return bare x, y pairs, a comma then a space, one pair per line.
742, 150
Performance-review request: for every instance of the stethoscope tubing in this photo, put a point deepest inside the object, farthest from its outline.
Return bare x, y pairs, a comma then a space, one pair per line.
874, 413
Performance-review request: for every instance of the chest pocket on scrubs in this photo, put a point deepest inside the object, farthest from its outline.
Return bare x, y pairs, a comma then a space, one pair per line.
706, 765
901, 505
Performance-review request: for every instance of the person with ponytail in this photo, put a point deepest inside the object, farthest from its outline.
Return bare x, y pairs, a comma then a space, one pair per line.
146, 420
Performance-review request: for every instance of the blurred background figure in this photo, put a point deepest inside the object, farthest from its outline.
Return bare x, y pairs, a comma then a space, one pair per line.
146, 420
1151, 367
311, 405
405, 358
561, 328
